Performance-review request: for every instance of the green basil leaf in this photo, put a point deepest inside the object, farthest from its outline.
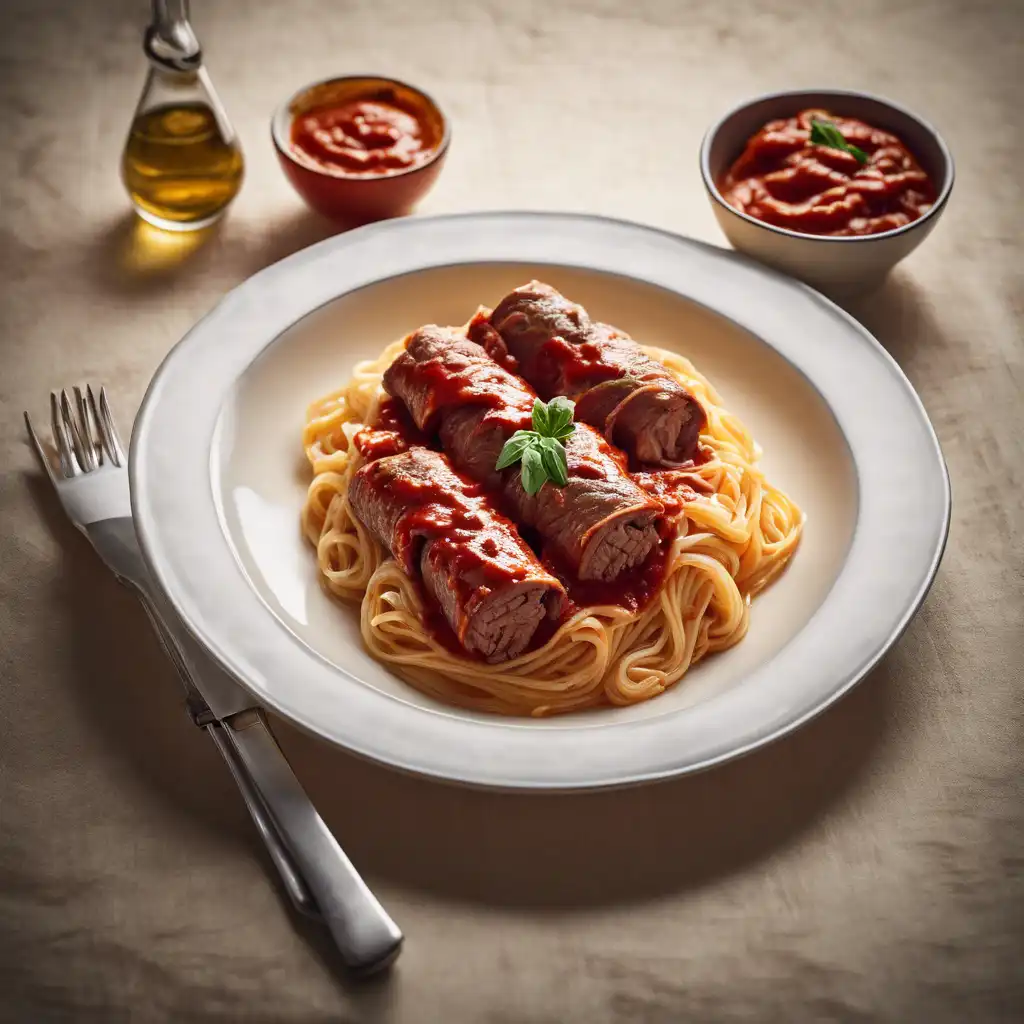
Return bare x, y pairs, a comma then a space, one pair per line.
825, 133
534, 474
520, 435
560, 411
553, 457
540, 417
514, 448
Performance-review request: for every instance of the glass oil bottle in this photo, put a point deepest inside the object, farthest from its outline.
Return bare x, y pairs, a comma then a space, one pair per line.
182, 164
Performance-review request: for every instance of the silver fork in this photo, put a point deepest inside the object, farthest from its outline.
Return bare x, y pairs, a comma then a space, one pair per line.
91, 480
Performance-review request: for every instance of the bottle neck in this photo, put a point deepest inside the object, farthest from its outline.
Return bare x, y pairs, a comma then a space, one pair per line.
170, 41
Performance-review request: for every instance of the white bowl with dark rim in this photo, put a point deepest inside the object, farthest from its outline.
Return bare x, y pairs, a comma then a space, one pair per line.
838, 265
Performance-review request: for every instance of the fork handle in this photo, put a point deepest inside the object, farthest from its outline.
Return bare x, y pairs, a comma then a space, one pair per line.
366, 936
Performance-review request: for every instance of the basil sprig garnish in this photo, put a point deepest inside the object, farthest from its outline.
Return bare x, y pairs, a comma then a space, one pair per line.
540, 450
825, 133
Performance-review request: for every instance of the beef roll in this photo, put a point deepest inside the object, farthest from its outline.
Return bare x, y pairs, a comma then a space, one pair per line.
633, 400
440, 528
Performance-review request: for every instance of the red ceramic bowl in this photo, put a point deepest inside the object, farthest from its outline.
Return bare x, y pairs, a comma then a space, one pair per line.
350, 198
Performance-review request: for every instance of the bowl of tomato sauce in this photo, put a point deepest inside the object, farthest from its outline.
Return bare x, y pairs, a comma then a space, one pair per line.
831, 186
360, 148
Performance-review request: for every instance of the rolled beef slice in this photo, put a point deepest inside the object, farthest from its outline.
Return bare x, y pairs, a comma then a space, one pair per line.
633, 400
600, 523
489, 584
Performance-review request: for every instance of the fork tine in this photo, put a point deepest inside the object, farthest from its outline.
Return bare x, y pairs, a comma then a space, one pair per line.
68, 465
44, 457
86, 432
107, 419
72, 428
104, 439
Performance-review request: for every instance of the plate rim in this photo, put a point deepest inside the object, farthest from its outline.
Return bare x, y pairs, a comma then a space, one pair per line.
155, 550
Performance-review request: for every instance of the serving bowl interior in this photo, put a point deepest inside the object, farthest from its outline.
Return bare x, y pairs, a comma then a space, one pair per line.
837, 265
349, 198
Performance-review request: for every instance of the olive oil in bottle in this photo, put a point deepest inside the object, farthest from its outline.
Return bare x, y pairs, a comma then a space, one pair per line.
178, 168
182, 164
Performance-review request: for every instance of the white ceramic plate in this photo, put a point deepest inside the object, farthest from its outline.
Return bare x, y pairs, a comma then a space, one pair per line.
218, 479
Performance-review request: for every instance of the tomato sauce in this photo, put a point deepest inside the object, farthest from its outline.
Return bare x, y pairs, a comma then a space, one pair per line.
783, 179
437, 626
674, 488
392, 432
373, 136
632, 590
509, 400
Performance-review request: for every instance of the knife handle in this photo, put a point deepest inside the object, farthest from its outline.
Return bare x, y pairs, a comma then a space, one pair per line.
300, 896
291, 879
364, 933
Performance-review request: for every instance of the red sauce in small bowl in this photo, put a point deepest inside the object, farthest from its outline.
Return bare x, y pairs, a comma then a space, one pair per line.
375, 135
360, 148
783, 179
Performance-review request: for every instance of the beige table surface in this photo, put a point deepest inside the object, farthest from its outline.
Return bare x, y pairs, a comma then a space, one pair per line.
868, 868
